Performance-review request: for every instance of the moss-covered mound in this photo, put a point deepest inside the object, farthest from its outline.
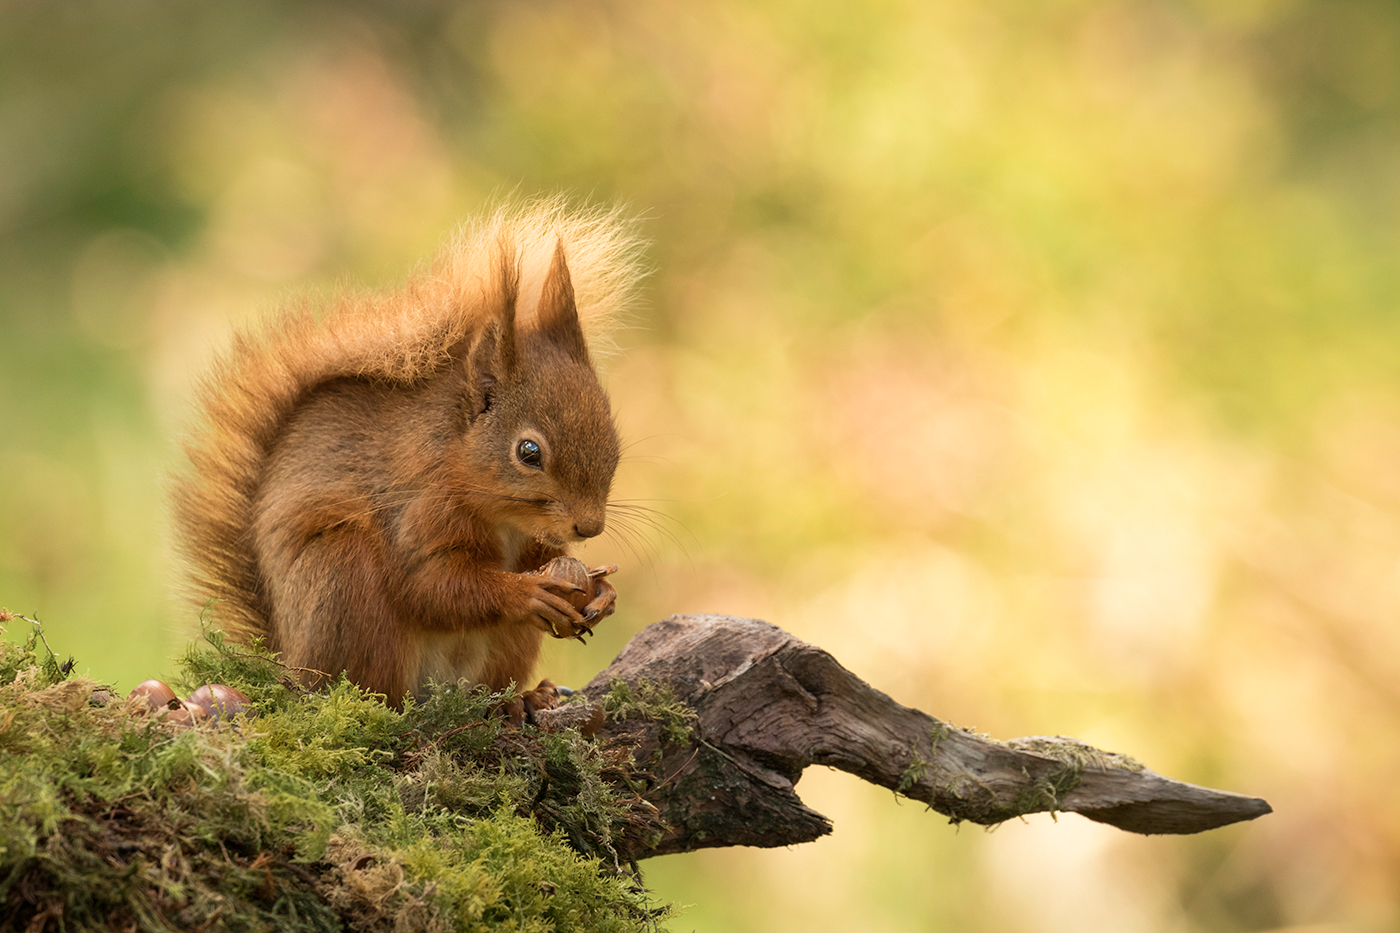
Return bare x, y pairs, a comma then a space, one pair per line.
325, 811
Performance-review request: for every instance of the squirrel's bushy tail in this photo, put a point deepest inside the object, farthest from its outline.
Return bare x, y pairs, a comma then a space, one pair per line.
395, 336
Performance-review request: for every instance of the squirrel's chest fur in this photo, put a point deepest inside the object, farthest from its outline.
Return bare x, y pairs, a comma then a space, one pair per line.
447, 657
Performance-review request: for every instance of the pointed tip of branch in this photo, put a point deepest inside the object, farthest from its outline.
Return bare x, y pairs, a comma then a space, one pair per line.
1151, 804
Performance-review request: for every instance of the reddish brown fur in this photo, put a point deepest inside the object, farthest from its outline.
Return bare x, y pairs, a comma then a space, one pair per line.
356, 496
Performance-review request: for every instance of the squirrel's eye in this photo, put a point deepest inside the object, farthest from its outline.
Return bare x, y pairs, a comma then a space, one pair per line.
529, 454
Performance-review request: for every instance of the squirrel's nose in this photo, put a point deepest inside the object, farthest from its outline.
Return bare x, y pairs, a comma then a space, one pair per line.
589, 528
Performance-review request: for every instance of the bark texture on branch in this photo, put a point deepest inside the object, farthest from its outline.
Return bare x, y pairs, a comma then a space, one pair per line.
766, 705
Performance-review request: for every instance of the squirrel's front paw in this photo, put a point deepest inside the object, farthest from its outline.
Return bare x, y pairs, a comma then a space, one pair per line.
591, 597
604, 600
548, 607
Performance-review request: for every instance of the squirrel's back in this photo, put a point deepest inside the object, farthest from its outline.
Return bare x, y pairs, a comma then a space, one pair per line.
393, 337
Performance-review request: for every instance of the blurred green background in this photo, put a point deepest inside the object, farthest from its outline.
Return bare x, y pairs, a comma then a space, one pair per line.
1038, 360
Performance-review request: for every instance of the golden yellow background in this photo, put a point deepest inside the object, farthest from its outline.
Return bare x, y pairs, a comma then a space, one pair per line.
1038, 360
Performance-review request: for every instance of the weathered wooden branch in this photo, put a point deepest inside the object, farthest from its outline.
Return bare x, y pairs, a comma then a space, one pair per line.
766, 705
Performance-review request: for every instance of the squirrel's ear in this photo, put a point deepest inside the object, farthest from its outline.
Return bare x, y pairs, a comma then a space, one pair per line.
484, 370
489, 355
558, 315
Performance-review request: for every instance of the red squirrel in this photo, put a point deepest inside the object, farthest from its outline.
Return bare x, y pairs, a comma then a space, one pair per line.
376, 483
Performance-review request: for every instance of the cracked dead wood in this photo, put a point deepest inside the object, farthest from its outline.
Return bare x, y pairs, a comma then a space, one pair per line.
762, 706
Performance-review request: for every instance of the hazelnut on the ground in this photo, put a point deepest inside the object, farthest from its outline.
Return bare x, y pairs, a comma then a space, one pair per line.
158, 695
221, 701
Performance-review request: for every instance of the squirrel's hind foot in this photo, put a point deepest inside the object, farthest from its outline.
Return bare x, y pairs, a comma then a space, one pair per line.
521, 709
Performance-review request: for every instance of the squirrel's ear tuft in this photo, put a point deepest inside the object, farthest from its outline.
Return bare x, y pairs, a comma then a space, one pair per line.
489, 356
558, 315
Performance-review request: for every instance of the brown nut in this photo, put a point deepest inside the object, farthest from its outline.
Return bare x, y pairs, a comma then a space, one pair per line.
222, 702
187, 715
577, 573
158, 695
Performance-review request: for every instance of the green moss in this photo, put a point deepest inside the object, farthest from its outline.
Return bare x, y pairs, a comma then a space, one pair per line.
325, 811
918, 767
940, 731
652, 703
